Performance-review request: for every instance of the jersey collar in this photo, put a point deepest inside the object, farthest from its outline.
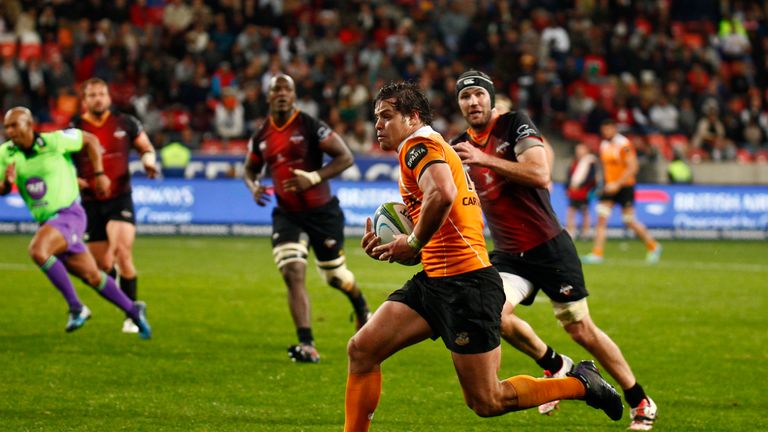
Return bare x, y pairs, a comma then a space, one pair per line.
423, 131
481, 138
97, 122
287, 123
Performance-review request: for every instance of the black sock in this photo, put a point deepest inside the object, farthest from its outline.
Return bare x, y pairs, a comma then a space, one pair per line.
551, 361
128, 286
634, 395
113, 273
305, 335
359, 304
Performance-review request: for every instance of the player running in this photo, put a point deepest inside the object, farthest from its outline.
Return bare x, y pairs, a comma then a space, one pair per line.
458, 296
508, 163
292, 144
41, 167
111, 218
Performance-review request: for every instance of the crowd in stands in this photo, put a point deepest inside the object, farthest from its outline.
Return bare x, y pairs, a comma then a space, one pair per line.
685, 76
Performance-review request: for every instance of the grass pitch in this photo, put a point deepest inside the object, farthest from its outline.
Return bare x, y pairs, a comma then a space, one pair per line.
693, 329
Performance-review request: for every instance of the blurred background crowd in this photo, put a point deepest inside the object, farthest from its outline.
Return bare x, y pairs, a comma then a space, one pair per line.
685, 77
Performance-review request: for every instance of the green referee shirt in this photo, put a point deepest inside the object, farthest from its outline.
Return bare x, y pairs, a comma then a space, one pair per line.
45, 174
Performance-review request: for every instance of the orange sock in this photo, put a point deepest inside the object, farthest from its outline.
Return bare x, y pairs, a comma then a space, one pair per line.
651, 245
597, 251
362, 397
533, 392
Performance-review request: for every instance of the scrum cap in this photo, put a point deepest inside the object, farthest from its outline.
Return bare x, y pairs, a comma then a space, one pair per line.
473, 78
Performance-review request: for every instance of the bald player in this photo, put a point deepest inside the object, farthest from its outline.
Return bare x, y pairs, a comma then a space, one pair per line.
41, 167
292, 144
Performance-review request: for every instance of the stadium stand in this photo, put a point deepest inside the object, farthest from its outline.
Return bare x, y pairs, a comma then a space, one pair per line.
567, 63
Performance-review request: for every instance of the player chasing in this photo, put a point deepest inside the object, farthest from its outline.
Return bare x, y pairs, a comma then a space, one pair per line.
41, 167
619, 162
111, 227
458, 296
292, 144
507, 161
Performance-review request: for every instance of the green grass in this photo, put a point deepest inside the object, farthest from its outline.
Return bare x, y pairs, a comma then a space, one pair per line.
693, 328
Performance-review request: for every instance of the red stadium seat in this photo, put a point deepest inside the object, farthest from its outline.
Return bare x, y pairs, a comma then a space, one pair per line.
743, 156
572, 130
678, 142
212, 146
237, 147
661, 144
592, 141
761, 156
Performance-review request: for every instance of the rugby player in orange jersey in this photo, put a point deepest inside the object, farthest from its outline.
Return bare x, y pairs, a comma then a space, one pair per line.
458, 296
619, 161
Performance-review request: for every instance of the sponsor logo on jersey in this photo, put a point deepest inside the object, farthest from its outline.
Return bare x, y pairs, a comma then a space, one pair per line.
462, 339
524, 131
503, 147
120, 134
296, 139
324, 132
262, 146
36, 187
470, 200
414, 155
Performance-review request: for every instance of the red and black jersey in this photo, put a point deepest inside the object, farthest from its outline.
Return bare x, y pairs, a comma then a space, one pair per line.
116, 132
519, 217
294, 145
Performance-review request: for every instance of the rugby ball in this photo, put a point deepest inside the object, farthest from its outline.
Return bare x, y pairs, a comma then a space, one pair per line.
391, 219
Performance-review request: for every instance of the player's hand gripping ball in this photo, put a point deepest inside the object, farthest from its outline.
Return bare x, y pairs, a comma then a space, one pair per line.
391, 219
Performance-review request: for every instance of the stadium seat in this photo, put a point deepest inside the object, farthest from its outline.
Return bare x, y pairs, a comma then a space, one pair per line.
237, 147
592, 141
761, 156
212, 146
661, 144
743, 156
678, 142
572, 130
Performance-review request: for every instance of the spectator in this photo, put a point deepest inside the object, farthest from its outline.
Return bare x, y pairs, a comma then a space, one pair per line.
710, 134
664, 116
229, 117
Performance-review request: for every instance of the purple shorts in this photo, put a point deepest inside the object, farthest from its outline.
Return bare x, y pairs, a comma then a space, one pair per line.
71, 222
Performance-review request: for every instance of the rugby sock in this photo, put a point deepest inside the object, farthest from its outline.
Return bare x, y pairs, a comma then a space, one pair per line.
305, 335
651, 246
129, 287
597, 251
359, 304
110, 291
533, 392
361, 399
634, 395
551, 361
57, 274
113, 273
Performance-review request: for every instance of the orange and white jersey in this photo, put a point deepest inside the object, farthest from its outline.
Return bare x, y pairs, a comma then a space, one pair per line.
458, 246
614, 154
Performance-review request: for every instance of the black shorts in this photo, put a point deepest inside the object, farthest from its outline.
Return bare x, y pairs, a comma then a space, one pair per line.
323, 225
625, 197
553, 267
578, 204
464, 310
100, 213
